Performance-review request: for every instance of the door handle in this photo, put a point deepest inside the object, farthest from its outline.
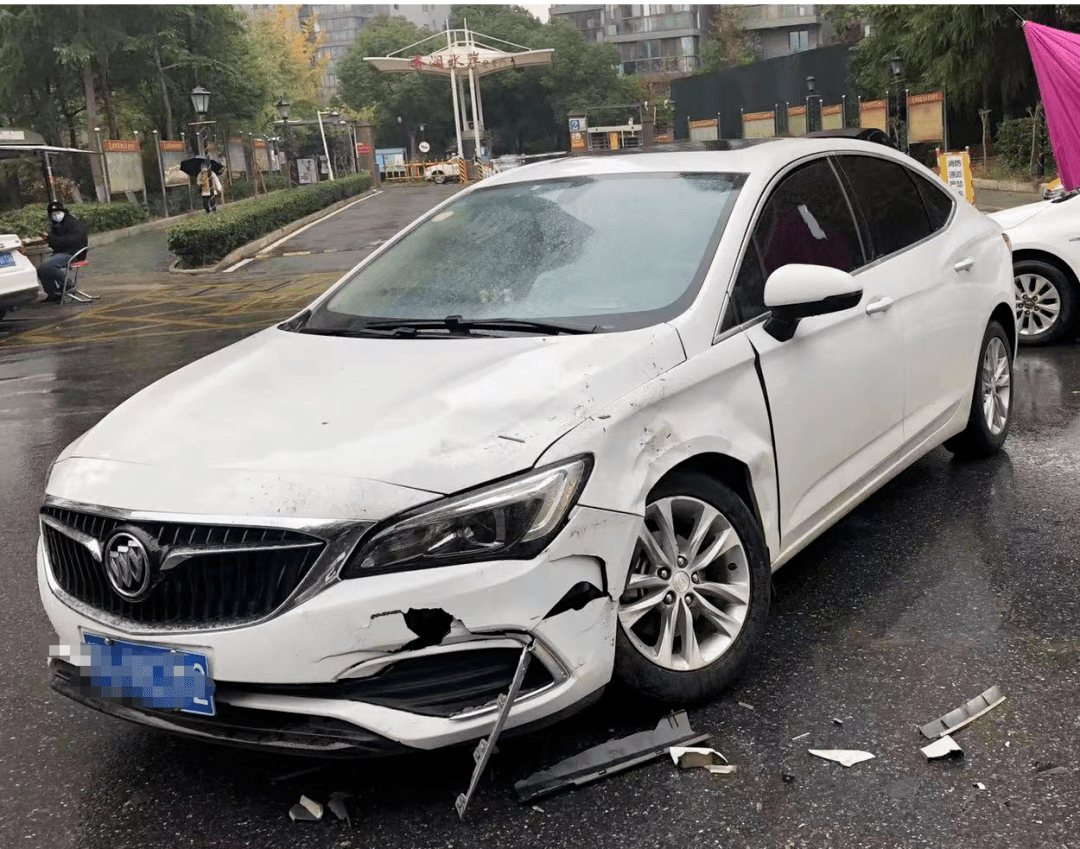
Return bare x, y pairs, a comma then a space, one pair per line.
964, 265
880, 305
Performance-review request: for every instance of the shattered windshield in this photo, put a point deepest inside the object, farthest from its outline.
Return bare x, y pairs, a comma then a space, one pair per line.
616, 251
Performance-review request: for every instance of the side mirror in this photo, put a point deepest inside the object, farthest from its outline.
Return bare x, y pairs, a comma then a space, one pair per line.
794, 292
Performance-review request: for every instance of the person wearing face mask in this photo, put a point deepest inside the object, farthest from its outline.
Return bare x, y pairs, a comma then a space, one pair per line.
66, 235
210, 187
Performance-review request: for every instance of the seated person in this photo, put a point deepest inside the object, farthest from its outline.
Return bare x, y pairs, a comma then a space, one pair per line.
66, 236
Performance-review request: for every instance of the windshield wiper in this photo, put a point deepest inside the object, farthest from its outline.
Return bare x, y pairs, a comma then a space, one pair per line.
457, 324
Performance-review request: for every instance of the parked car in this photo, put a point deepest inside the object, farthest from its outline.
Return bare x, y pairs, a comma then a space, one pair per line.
443, 171
18, 277
1046, 262
549, 419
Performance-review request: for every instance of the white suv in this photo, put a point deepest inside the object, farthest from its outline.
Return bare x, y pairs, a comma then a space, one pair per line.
18, 277
581, 411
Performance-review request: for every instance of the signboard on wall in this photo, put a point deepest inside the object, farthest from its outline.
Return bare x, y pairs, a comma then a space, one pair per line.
363, 149
172, 154
796, 120
123, 159
926, 117
704, 130
955, 172
874, 113
306, 169
578, 124
759, 125
832, 117
577, 141
237, 159
262, 160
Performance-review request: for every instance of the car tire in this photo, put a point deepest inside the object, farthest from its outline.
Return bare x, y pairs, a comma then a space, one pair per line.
1045, 302
439, 178
988, 420
731, 587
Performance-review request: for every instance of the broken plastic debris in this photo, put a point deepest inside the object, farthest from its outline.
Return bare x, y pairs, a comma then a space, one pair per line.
337, 805
306, 810
611, 757
844, 757
944, 747
800, 737
837, 721
745, 705
689, 757
964, 715
979, 785
538, 809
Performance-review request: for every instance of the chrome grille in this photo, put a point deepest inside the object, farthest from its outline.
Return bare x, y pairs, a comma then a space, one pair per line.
219, 575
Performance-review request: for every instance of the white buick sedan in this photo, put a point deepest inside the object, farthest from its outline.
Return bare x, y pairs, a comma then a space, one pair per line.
577, 415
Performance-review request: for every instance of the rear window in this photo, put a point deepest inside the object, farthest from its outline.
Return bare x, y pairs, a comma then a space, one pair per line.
620, 251
889, 200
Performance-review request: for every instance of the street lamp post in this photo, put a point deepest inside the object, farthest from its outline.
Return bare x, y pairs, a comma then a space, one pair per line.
283, 106
334, 115
897, 66
200, 102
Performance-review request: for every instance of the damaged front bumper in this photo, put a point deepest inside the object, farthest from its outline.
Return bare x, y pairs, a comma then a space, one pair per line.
410, 660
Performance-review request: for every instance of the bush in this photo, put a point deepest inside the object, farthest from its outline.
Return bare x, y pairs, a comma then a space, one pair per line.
1013, 144
30, 221
205, 239
239, 189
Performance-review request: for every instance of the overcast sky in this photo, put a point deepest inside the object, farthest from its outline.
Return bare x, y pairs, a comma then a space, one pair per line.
538, 9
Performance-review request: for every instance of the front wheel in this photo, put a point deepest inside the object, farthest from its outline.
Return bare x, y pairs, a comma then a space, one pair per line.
439, 178
697, 595
991, 403
1045, 302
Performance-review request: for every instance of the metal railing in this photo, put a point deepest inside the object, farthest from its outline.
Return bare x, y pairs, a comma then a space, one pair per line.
656, 23
757, 14
661, 65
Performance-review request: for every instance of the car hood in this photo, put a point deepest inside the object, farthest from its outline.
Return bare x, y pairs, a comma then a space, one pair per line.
1010, 218
438, 415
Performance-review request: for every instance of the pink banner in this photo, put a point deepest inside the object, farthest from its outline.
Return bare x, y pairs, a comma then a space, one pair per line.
1056, 56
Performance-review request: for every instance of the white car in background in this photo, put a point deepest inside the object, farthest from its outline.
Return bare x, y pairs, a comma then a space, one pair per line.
18, 277
444, 171
579, 412
1046, 263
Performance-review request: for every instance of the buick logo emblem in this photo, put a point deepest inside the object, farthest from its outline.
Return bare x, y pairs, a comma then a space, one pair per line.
127, 565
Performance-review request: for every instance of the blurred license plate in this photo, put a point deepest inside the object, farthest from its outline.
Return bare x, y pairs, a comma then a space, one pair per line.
6, 259
150, 676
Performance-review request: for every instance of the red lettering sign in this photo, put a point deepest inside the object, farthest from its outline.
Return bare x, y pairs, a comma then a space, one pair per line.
120, 146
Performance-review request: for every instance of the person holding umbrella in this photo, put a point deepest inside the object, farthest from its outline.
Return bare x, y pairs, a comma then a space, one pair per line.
209, 186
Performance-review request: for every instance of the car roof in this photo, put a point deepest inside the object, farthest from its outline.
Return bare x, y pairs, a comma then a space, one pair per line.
761, 157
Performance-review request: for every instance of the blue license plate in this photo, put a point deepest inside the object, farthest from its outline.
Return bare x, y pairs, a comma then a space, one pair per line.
151, 676
6, 259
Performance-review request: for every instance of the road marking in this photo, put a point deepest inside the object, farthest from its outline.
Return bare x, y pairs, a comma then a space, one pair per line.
234, 267
296, 253
284, 239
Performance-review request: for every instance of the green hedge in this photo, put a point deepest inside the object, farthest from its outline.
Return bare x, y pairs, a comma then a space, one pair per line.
30, 221
206, 239
1013, 144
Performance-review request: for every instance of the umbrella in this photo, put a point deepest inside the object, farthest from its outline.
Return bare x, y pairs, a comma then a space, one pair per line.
192, 166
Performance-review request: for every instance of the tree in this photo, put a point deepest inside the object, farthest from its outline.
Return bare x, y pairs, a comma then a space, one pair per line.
728, 44
287, 56
977, 53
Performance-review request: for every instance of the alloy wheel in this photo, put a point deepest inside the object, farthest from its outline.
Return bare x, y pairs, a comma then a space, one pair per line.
1038, 304
996, 382
688, 592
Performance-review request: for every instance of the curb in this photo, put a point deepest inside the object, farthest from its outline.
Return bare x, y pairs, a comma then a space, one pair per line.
252, 248
1006, 186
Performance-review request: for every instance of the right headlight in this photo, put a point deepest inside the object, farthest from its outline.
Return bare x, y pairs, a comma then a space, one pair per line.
512, 519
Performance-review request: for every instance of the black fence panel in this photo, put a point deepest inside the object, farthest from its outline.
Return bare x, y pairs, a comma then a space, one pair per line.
761, 87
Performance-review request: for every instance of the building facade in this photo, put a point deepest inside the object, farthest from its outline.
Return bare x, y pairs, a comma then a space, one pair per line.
652, 39
781, 30
339, 25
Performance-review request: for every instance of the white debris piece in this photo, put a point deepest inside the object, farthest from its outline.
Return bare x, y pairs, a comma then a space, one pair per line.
689, 757
844, 757
745, 705
306, 810
942, 748
800, 737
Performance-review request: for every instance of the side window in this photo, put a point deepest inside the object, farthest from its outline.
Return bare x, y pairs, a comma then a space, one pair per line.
939, 203
806, 220
890, 201
748, 297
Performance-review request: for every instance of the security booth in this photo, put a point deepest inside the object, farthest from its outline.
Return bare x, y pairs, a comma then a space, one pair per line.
613, 137
15, 143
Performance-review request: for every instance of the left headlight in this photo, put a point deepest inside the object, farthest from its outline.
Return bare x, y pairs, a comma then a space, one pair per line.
513, 519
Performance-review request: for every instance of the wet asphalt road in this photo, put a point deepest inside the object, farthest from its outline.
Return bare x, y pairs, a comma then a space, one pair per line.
953, 578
